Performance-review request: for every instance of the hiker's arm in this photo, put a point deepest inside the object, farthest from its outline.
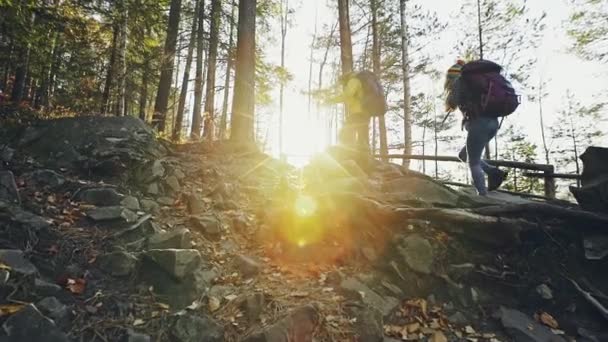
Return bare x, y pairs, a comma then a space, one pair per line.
454, 96
350, 91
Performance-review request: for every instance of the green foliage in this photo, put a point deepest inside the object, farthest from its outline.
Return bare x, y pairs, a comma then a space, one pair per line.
515, 145
587, 27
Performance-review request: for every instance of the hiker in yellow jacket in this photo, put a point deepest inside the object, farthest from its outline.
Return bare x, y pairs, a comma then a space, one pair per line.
364, 98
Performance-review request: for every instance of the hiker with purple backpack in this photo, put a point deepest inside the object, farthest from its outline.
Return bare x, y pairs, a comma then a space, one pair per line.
482, 95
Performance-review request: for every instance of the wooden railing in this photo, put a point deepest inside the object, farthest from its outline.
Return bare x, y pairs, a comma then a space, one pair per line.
547, 172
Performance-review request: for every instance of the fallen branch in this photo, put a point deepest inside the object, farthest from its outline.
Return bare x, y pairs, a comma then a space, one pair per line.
594, 302
548, 210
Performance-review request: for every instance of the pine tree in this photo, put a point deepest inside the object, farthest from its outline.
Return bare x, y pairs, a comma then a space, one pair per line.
587, 27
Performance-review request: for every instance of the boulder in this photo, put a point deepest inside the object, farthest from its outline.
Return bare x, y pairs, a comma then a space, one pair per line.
523, 328
357, 289
173, 184
593, 195
247, 266
208, 225
417, 253
176, 262
30, 325
178, 239
195, 204
100, 196
425, 190
191, 328
8, 188
299, 325
112, 213
369, 324
54, 309
118, 264
15, 259
131, 203
44, 178
44, 288
149, 206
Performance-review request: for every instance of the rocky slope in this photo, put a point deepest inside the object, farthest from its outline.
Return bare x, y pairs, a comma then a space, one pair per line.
109, 234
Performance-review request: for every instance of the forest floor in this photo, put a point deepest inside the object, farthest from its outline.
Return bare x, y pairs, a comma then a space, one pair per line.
110, 234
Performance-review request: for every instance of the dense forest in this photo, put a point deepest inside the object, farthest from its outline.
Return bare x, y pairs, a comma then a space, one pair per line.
201, 69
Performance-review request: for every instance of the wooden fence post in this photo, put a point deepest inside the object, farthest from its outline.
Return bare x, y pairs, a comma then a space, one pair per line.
550, 188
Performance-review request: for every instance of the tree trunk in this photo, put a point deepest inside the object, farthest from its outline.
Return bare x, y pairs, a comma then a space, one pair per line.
229, 64
23, 63
122, 60
284, 13
7, 66
105, 99
209, 130
542, 123
376, 67
243, 103
197, 119
166, 75
55, 67
346, 47
407, 105
179, 116
43, 91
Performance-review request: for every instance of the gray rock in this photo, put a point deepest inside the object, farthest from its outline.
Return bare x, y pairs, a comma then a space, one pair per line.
48, 178
144, 227
133, 336
369, 324
157, 170
45, 288
425, 189
100, 196
178, 293
112, 213
458, 318
229, 246
178, 239
368, 296
240, 223
209, 225
544, 291
523, 328
7, 154
299, 325
596, 247
153, 189
176, 262
149, 206
252, 305
131, 203
15, 259
247, 266
8, 187
417, 252
54, 309
166, 201
173, 184
195, 205
30, 325
190, 328
221, 291
179, 174
118, 264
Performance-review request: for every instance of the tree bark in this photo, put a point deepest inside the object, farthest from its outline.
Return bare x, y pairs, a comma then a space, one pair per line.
23, 64
376, 67
197, 119
166, 75
122, 59
7, 66
42, 95
284, 12
542, 122
346, 46
105, 98
209, 129
229, 65
179, 116
243, 103
407, 104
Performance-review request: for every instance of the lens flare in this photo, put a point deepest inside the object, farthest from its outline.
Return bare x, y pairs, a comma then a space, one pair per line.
305, 206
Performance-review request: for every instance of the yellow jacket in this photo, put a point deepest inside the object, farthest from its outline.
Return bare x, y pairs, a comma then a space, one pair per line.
351, 96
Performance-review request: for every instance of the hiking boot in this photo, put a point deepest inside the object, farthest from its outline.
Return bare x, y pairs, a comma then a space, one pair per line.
495, 179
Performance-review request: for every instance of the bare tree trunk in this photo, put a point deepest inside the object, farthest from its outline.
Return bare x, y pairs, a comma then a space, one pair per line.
542, 123
346, 46
197, 119
407, 104
122, 59
284, 17
209, 130
107, 89
376, 67
229, 65
143, 95
436, 138
310, 63
7, 66
166, 75
179, 116
243, 103
23, 64
42, 96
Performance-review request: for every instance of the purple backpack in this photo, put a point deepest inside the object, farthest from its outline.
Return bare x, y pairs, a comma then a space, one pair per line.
492, 94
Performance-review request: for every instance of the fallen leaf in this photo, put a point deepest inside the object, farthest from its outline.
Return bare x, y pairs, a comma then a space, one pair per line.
9, 309
469, 330
163, 306
4, 266
300, 294
195, 305
213, 304
438, 336
138, 321
53, 250
412, 328
76, 286
230, 297
548, 320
